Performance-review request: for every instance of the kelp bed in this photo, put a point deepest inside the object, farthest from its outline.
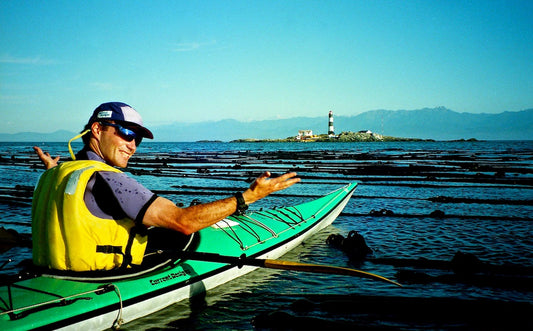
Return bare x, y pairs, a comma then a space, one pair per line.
416, 170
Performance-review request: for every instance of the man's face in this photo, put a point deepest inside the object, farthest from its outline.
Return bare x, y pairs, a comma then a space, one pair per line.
112, 147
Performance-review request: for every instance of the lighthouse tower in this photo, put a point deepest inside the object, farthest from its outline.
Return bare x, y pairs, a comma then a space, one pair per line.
331, 131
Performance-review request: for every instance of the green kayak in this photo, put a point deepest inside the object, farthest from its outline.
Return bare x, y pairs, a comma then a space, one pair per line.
229, 249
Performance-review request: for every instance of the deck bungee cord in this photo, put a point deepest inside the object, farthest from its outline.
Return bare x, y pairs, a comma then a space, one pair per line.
278, 218
247, 217
58, 301
294, 211
270, 216
232, 235
245, 225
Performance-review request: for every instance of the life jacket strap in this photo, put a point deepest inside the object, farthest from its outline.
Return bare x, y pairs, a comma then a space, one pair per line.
127, 255
109, 249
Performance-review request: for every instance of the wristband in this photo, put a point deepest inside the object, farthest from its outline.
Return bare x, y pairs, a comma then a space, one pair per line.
241, 204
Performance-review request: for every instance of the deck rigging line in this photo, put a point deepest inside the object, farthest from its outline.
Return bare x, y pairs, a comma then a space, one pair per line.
248, 220
235, 237
60, 300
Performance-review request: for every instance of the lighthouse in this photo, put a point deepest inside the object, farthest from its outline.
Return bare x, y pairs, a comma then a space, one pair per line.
331, 131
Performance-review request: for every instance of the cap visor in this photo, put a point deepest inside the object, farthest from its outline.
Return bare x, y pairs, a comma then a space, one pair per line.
146, 133
140, 129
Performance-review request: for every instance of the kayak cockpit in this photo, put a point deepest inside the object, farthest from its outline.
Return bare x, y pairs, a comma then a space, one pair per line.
163, 251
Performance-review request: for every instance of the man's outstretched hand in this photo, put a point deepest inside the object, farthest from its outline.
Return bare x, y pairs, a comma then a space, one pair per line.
46, 159
264, 185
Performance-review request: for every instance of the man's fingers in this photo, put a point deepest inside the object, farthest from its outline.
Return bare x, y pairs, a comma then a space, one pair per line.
290, 180
45, 158
38, 150
287, 176
264, 185
264, 175
284, 181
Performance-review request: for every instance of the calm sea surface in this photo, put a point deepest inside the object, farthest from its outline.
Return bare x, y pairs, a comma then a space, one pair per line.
490, 218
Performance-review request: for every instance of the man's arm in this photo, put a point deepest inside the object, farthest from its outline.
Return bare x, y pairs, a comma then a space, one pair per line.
46, 159
164, 213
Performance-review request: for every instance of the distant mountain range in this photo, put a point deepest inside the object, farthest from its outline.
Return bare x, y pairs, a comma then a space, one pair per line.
428, 123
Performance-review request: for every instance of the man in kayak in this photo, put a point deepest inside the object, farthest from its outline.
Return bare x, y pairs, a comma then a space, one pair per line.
88, 215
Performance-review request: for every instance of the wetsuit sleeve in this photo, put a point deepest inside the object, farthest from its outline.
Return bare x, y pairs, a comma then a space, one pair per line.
132, 197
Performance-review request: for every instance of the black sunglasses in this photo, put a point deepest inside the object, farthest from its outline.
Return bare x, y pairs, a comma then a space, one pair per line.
125, 133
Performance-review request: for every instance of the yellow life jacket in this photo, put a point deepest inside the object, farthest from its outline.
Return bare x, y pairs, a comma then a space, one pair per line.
67, 236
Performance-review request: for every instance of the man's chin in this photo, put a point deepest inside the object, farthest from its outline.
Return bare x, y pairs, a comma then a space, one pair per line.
121, 164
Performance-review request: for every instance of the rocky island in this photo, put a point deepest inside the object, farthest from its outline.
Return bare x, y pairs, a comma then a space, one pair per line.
348, 136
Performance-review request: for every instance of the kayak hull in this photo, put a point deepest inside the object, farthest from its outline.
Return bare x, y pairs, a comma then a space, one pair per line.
53, 302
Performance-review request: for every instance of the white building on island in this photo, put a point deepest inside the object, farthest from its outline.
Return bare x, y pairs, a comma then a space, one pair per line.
304, 134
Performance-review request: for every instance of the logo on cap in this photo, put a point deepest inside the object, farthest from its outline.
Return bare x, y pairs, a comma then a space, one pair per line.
105, 114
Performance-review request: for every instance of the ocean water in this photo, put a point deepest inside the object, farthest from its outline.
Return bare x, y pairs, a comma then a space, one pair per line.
483, 192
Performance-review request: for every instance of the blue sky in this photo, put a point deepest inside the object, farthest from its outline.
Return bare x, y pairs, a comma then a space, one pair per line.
192, 61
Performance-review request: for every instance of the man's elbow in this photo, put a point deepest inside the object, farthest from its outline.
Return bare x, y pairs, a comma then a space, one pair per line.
186, 229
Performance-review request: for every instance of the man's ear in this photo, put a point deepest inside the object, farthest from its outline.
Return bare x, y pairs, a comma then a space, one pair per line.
96, 129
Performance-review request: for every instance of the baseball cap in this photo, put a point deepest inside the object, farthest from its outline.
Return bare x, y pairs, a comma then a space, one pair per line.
119, 111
